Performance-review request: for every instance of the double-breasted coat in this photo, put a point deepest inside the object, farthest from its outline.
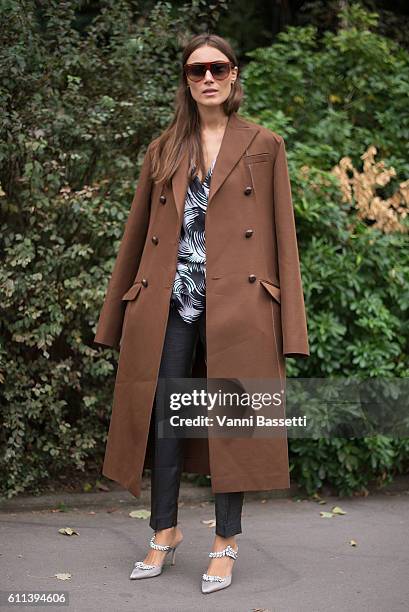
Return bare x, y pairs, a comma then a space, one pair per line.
255, 314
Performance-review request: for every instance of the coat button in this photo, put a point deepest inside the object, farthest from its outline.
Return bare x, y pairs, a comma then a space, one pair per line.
144, 282
248, 190
162, 199
249, 233
252, 278
155, 239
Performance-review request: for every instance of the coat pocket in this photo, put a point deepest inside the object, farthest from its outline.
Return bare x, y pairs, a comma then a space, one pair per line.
272, 289
258, 157
275, 292
133, 292
128, 298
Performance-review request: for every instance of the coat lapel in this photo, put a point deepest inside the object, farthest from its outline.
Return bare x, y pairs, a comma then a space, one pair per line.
236, 139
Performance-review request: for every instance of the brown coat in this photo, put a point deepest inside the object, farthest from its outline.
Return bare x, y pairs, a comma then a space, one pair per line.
255, 313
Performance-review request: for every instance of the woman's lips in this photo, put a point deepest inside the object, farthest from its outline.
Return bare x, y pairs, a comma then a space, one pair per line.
210, 93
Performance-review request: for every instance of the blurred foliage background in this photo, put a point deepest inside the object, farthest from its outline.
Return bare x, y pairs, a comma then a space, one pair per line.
84, 87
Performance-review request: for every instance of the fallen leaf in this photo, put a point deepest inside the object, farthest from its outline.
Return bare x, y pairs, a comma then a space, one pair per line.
322, 501
68, 531
112, 510
353, 543
362, 493
263, 501
63, 576
142, 514
326, 514
338, 510
101, 486
60, 508
209, 523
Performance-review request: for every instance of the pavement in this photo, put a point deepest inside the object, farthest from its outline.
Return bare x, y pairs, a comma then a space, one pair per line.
290, 558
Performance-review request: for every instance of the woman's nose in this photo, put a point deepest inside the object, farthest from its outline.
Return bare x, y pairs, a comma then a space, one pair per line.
208, 75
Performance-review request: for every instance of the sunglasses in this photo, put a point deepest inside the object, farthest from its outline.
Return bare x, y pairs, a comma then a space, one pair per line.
197, 72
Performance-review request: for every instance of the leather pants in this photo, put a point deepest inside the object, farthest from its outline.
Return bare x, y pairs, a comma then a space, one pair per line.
176, 361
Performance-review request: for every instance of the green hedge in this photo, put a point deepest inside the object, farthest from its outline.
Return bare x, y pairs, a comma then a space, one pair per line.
80, 107
332, 98
81, 104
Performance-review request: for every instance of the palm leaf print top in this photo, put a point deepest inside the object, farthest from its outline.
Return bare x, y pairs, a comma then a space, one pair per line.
189, 287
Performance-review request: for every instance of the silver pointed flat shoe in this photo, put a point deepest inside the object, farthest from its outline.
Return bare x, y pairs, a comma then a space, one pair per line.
145, 570
215, 583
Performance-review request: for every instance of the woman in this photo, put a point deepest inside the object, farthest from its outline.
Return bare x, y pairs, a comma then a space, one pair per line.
230, 306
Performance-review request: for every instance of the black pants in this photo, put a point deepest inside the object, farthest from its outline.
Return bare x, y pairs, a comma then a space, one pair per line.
177, 357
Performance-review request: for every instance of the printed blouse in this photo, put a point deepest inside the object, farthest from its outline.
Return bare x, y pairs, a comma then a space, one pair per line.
189, 287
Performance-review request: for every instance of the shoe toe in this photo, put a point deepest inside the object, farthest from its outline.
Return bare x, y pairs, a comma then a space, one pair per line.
208, 586
138, 572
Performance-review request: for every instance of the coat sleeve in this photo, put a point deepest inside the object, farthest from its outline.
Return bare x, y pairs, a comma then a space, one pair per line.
293, 317
109, 327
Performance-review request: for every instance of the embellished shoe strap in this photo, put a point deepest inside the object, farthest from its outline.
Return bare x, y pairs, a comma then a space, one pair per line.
228, 551
211, 578
158, 546
144, 566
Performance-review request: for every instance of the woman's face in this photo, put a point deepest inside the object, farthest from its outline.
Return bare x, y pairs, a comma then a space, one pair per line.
222, 88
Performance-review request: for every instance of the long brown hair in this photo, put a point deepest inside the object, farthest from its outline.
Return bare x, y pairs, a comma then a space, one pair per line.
184, 130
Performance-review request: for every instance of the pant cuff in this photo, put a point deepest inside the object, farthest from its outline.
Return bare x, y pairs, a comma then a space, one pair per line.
163, 523
227, 531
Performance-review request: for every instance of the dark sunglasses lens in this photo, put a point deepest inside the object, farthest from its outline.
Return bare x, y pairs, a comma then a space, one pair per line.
220, 71
196, 72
